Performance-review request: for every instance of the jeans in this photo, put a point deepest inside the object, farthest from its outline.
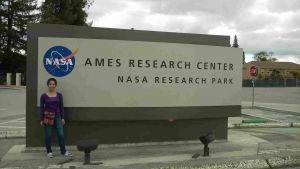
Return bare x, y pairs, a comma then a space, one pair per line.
60, 134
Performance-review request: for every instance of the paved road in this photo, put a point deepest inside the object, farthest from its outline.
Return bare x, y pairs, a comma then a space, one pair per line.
12, 109
288, 95
12, 103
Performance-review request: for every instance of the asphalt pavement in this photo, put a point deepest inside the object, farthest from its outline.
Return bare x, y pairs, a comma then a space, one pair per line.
12, 103
286, 95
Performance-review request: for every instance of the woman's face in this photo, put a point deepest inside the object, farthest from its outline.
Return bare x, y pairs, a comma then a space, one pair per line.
51, 85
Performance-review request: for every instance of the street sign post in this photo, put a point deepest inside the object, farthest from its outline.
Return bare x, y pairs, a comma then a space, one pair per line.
253, 73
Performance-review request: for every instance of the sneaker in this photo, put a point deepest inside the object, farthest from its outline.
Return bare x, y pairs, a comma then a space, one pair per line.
67, 154
50, 155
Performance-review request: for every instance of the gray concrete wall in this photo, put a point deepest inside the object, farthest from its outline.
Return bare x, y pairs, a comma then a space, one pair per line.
124, 125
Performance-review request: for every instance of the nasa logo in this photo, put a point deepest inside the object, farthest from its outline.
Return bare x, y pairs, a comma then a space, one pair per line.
59, 61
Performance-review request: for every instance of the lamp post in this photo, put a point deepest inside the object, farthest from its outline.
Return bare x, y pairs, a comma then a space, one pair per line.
206, 139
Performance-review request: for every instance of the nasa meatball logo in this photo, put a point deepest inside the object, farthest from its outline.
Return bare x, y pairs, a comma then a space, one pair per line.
59, 61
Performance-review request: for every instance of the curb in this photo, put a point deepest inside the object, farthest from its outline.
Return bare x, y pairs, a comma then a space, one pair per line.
266, 118
265, 125
279, 111
275, 162
270, 109
12, 87
12, 134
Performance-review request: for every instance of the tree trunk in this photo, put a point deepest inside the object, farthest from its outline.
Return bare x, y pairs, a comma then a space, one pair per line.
9, 25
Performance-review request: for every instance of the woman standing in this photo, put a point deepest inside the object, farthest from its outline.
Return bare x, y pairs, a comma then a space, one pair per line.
52, 116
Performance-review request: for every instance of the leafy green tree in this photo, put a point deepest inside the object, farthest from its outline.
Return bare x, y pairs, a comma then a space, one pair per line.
260, 77
69, 12
264, 56
275, 75
15, 15
295, 74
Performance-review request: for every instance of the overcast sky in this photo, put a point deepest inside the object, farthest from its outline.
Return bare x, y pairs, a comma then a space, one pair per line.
260, 25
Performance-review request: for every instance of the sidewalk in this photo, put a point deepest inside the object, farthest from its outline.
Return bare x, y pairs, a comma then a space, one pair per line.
241, 150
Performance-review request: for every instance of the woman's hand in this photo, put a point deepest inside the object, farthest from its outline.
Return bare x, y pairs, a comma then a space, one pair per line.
42, 123
63, 121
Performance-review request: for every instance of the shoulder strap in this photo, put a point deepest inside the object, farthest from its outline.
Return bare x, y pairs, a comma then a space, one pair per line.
59, 96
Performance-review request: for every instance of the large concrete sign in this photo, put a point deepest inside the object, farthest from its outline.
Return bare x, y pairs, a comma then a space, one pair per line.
128, 86
118, 73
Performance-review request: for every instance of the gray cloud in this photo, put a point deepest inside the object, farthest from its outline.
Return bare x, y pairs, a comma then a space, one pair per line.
271, 25
284, 5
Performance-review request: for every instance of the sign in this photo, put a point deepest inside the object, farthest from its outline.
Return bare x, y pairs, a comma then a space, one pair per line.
253, 71
120, 73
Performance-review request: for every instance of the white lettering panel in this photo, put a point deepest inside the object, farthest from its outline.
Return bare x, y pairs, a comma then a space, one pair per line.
119, 73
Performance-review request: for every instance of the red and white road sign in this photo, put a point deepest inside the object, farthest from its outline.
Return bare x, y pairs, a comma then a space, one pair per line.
253, 71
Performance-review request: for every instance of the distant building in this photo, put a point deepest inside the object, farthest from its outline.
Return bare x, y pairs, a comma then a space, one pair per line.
265, 69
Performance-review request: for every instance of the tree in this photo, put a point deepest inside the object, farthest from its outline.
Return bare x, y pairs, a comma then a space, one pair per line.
260, 77
295, 74
235, 42
264, 56
69, 12
275, 75
236, 45
244, 58
15, 14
